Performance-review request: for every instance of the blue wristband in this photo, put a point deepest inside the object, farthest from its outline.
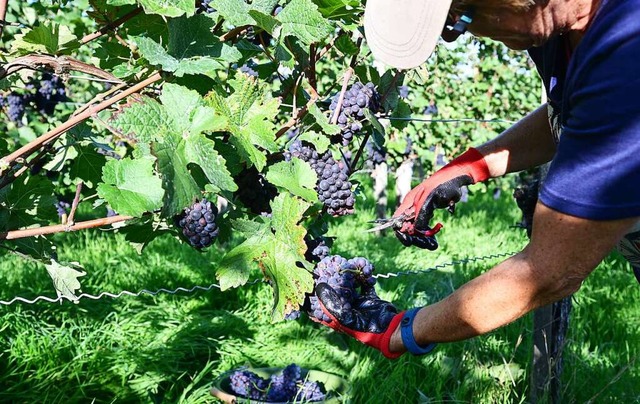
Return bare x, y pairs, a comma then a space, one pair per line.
406, 330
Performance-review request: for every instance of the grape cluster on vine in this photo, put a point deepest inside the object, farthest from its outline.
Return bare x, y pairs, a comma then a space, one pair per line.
198, 224
15, 106
317, 248
285, 386
376, 154
42, 94
204, 6
249, 68
346, 276
333, 186
254, 191
49, 90
356, 100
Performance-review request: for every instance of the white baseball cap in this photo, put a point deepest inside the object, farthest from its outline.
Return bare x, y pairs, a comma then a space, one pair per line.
404, 33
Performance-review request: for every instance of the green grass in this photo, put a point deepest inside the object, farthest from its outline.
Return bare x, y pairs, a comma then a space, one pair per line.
169, 348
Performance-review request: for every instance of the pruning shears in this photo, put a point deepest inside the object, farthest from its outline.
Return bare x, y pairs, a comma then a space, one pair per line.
397, 222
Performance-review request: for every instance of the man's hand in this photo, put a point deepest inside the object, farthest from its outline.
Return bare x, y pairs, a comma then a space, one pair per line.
370, 320
442, 190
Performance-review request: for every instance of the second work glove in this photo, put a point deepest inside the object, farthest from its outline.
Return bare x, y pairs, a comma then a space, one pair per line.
441, 190
370, 320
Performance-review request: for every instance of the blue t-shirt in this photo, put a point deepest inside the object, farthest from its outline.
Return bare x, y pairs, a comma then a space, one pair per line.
595, 95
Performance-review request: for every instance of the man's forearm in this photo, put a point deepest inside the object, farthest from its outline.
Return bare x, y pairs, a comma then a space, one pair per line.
562, 253
487, 302
526, 144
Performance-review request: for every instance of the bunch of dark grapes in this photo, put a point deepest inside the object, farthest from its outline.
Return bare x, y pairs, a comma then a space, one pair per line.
377, 154
317, 248
14, 105
49, 91
364, 271
62, 208
285, 386
403, 91
292, 133
248, 384
432, 109
333, 186
249, 69
347, 277
282, 386
254, 191
350, 120
204, 6
198, 224
311, 391
338, 273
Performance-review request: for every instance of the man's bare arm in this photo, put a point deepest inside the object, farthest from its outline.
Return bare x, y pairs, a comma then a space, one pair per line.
562, 252
526, 144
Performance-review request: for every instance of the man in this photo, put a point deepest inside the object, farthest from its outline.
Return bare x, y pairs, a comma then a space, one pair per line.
588, 53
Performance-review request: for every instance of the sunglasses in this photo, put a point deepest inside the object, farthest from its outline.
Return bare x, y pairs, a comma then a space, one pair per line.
456, 25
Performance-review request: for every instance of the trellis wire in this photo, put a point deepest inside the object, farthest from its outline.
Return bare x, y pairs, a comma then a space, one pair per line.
175, 291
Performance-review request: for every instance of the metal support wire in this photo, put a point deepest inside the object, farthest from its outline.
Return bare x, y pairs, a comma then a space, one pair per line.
61, 299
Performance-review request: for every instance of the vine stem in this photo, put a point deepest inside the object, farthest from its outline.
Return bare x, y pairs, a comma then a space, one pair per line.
345, 83
111, 26
74, 205
26, 150
59, 228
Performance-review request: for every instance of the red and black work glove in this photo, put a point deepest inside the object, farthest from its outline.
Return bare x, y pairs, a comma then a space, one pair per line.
441, 190
369, 319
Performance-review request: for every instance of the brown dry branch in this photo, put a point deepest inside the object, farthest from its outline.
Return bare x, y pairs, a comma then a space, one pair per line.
59, 228
345, 83
111, 26
74, 204
59, 64
19, 155
299, 115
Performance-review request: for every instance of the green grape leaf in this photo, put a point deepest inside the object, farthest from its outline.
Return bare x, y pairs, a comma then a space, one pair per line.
156, 54
169, 8
177, 142
346, 45
277, 246
65, 278
323, 121
296, 177
192, 48
336, 8
250, 114
146, 121
27, 201
49, 37
378, 129
264, 21
130, 186
87, 166
236, 12
301, 19
320, 141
